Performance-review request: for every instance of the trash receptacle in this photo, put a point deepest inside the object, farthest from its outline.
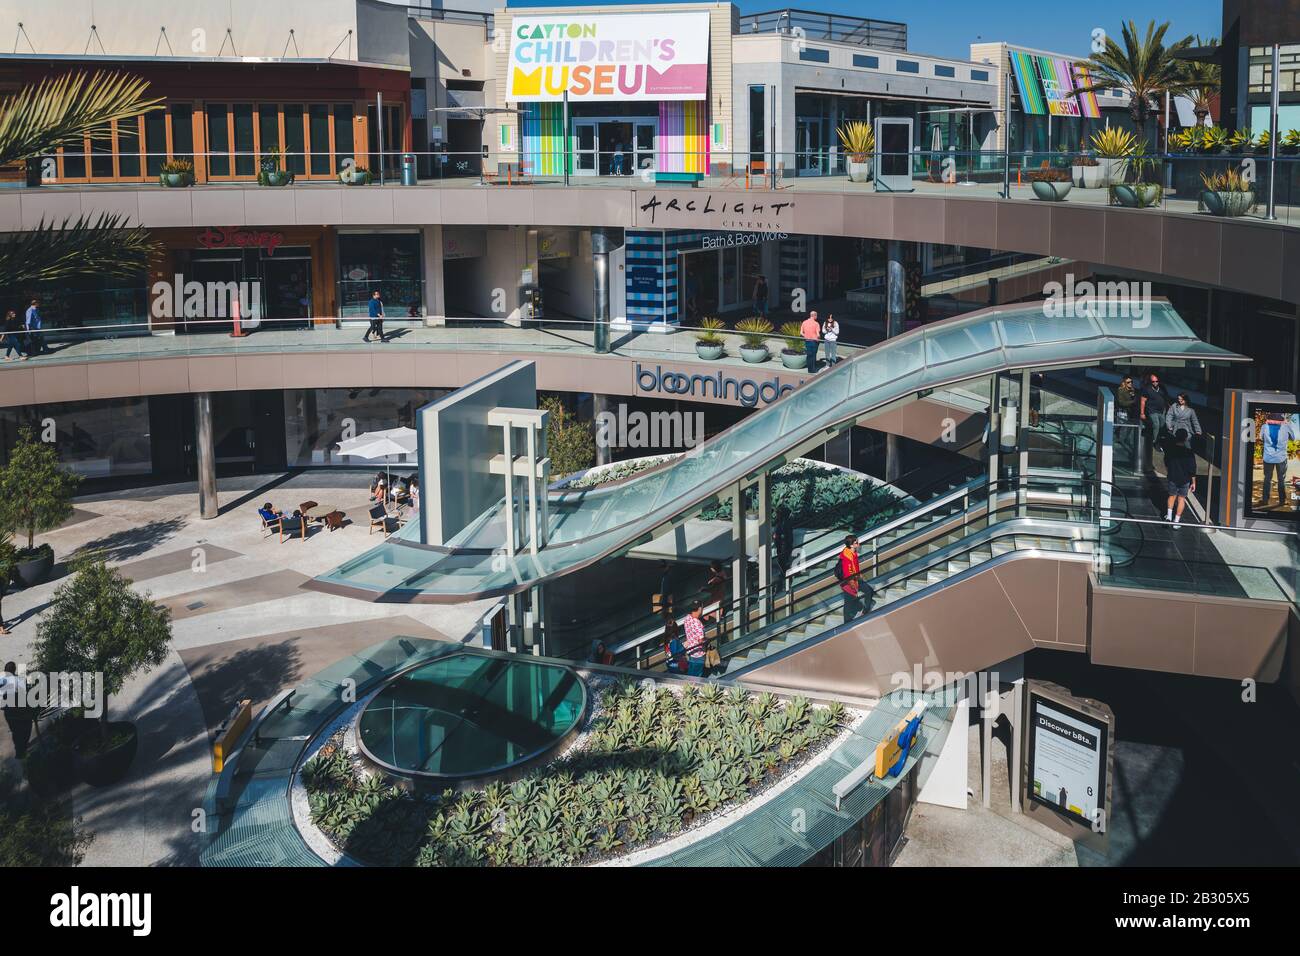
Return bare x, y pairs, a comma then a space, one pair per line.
408, 169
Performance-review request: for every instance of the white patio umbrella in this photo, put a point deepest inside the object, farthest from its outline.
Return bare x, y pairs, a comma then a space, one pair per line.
381, 444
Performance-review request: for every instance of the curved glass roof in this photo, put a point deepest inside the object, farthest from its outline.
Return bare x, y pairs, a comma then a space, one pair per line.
465, 716
592, 523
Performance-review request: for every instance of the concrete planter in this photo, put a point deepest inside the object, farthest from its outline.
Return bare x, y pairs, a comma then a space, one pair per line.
858, 172
1229, 205
794, 359
175, 180
34, 568
754, 355
1051, 192
710, 353
1137, 195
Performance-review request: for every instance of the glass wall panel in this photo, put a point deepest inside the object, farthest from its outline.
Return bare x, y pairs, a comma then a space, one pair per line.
320, 139
315, 419
245, 161
218, 140
387, 262
99, 439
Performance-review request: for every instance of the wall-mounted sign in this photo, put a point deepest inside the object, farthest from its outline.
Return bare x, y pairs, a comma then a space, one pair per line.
744, 391
675, 211
611, 57
217, 238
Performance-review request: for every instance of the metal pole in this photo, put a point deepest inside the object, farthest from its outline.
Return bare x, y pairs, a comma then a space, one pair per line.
1006, 141
564, 138
1274, 106
379, 113
771, 120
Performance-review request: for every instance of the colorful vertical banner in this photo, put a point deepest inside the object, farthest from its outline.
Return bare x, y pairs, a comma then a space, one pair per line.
683, 140
1057, 80
1031, 97
542, 132
1088, 99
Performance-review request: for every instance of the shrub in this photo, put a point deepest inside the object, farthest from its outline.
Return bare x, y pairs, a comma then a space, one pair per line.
709, 332
178, 167
35, 832
1048, 174
1114, 143
1228, 181
858, 140
754, 331
570, 442
792, 332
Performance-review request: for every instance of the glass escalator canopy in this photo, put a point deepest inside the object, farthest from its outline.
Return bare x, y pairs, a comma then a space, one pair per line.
465, 716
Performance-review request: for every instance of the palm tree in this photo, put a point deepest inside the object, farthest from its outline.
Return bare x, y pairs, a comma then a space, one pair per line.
1206, 77
1145, 69
61, 111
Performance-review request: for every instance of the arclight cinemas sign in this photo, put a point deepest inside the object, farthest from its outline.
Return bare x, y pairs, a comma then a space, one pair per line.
746, 391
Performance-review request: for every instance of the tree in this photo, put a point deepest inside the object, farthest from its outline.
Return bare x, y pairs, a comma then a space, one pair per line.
35, 490
1206, 77
37, 832
63, 111
8, 565
570, 443
97, 624
1145, 69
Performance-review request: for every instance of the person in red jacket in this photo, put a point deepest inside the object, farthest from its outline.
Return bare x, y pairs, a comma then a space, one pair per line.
848, 571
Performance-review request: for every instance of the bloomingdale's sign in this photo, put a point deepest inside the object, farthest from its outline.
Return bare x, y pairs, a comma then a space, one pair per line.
746, 391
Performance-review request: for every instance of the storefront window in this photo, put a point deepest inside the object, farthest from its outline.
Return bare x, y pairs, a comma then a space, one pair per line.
315, 420
100, 439
387, 262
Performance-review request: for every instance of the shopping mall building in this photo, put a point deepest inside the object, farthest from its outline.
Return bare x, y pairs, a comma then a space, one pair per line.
555, 198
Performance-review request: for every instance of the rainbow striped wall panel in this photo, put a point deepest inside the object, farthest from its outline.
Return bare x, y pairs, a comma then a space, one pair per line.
543, 144
1031, 97
1088, 101
683, 140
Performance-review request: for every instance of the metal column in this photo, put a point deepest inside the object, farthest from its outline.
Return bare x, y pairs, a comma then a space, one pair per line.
206, 455
895, 314
603, 242
1272, 133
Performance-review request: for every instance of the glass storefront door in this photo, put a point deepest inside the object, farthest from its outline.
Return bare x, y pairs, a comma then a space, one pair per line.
645, 144
286, 292
811, 145
585, 153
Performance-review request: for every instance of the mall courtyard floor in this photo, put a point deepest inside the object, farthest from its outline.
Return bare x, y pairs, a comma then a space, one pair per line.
244, 627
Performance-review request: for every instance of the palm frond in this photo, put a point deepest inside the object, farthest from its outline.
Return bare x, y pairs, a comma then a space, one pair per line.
104, 245
1141, 66
61, 110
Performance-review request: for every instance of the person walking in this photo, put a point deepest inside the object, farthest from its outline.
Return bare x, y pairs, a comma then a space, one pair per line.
13, 336
13, 698
1126, 399
1180, 474
616, 167
1182, 416
831, 336
1153, 402
376, 311
33, 323
694, 627
719, 588
760, 296
811, 330
848, 572
1274, 436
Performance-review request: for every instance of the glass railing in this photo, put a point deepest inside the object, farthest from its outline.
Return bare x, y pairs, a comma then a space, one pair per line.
168, 338
1216, 183
1061, 513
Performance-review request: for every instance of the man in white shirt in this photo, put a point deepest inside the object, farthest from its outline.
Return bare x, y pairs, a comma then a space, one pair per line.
13, 699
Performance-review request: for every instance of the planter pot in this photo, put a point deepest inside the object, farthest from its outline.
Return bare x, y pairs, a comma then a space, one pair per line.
754, 355
36, 568
1138, 195
356, 179
794, 359
1111, 170
858, 172
105, 767
1229, 205
276, 177
1051, 192
710, 353
50, 767
175, 180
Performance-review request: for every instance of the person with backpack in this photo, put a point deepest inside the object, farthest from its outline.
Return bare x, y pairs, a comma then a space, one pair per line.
1180, 474
848, 572
1275, 436
694, 643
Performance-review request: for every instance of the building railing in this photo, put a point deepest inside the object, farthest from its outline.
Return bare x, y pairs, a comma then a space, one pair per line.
1258, 186
427, 11
813, 25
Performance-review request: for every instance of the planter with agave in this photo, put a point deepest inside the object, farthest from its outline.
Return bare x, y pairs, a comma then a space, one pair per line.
1050, 184
709, 342
1115, 149
176, 173
273, 172
859, 144
754, 332
793, 354
1145, 190
1227, 194
355, 176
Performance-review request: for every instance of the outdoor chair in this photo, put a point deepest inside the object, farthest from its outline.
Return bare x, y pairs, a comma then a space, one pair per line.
294, 526
270, 521
334, 520
379, 519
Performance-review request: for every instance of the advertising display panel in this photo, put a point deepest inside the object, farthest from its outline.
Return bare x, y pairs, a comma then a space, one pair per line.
609, 57
1067, 760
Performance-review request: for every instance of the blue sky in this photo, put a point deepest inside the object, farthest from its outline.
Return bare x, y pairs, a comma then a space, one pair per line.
948, 27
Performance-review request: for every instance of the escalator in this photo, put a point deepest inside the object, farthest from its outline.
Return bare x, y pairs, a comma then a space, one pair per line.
953, 536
